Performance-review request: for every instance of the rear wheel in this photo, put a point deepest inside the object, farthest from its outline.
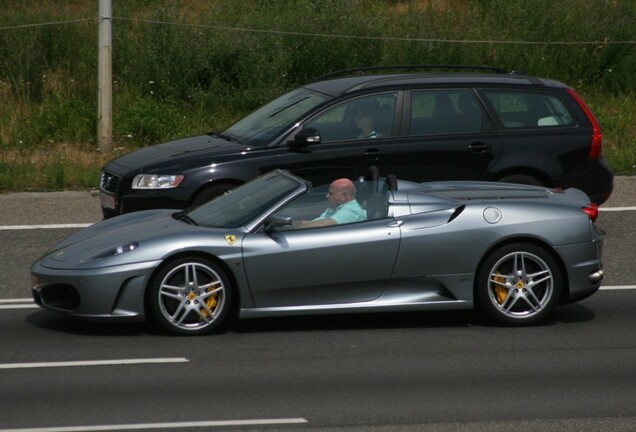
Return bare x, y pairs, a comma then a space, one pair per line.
519, 284
190, 296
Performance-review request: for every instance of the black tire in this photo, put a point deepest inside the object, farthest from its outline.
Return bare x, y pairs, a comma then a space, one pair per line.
211, 192
521, 179
519, 284
190, 296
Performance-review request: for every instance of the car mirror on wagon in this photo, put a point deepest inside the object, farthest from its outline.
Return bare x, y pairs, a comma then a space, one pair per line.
277, 221
305, 137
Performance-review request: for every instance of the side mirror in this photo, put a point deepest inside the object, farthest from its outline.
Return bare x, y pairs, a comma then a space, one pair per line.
305, 138
277, 221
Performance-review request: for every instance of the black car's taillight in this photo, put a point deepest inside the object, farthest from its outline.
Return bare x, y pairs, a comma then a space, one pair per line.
591, 210
596, 149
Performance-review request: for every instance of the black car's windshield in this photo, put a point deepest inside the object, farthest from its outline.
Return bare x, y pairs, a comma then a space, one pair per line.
262, 126
239, 206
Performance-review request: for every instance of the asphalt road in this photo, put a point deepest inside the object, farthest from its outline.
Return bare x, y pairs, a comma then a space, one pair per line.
408, 372
446, 371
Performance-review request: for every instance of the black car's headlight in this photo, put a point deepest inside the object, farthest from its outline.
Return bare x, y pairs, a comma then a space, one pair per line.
157, 181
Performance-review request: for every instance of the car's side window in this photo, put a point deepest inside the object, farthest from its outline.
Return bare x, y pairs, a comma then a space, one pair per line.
371, 202
529, 109
367, 117
445, 112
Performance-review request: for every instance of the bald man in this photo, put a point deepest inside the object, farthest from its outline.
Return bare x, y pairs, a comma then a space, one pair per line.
343, 207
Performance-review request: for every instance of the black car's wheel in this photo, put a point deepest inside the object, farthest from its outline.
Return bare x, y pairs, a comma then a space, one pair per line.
519, 284
521, 179
190, 296
211, 192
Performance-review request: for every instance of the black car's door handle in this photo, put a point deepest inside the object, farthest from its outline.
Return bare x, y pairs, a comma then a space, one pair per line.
479, 147
374, 154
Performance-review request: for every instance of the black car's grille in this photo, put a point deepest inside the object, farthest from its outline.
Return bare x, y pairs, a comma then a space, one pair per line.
108, 182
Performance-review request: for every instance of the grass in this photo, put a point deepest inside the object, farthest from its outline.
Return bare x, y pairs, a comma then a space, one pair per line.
58, 168
617, 115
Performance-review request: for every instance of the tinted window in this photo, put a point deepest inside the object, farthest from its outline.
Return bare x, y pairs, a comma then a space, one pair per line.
445, 112
529, 109
263, 125
361, 118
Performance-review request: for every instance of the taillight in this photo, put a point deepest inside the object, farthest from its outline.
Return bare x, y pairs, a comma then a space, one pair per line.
591, 210
596, 150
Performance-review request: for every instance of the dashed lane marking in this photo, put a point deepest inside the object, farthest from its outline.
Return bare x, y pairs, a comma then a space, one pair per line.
175, 425
115, 362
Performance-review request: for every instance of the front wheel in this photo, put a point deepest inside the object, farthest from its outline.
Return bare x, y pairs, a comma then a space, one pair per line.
211, 192
190, 296
519, 284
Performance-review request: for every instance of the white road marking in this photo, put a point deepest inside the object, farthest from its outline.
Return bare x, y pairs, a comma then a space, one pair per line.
175, 425
19, 306
44, 226
617, 209
115, 362
19, 303
617, 287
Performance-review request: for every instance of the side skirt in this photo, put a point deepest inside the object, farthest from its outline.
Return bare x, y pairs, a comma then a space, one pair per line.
369, 307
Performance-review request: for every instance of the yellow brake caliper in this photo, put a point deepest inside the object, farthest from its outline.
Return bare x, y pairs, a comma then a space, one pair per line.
210, 303
500, 292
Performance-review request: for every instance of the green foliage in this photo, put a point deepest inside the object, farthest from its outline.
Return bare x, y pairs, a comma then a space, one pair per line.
617, 115
146, 119
187, 67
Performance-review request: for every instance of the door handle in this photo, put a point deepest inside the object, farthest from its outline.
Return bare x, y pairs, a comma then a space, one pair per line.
479, 147
374, 154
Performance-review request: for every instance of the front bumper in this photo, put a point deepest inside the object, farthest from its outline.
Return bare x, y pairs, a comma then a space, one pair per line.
111, 293
137, 200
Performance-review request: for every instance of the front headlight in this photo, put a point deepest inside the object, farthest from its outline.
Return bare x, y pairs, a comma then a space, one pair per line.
118, 250
156, 181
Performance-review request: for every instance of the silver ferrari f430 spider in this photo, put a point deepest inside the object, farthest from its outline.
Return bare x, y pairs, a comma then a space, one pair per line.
277, 246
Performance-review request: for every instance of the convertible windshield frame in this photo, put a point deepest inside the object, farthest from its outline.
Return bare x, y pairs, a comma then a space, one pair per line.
249, 203
266, 124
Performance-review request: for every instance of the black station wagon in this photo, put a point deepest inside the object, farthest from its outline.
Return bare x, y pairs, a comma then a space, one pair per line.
485, 124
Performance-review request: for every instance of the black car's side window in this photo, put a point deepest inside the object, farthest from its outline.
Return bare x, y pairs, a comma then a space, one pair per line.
366, 117
445, 112
528, 109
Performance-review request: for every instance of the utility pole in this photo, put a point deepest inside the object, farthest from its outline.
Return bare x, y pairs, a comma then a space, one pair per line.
105, 78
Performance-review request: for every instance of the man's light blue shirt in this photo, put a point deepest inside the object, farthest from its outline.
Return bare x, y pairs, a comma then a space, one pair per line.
348, 212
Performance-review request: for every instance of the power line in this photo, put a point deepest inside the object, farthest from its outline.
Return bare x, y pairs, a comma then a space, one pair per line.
47, 24
332, 36
378, 38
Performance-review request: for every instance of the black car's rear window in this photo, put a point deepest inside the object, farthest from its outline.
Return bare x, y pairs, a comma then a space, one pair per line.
526, 109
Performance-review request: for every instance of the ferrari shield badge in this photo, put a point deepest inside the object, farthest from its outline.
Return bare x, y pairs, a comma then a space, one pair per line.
230, 239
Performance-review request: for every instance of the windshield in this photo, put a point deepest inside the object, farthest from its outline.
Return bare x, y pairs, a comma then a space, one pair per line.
262, 126
243, 204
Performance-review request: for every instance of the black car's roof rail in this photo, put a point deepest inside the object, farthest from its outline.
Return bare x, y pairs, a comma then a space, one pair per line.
363, 70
